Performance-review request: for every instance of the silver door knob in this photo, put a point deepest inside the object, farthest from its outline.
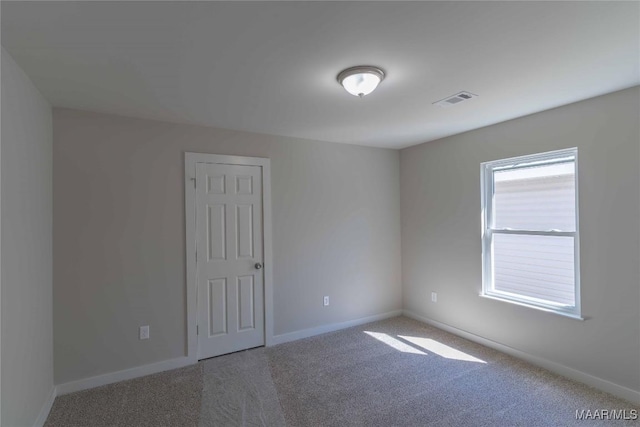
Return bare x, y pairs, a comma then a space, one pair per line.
258, 266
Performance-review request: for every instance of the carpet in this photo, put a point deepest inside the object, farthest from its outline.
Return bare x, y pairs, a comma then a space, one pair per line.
396, 372
400, 372
168, 399
238, 391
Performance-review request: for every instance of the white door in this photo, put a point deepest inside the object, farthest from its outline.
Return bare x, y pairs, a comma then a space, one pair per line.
229, 258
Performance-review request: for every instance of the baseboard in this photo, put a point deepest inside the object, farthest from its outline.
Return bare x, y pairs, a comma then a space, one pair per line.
306, 333
623, 392
140, 371
126, 374
46, 408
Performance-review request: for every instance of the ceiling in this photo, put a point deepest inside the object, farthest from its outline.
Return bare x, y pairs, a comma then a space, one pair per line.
271, 67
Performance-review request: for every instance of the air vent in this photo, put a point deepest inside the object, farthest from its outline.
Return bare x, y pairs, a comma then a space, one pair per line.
455, 99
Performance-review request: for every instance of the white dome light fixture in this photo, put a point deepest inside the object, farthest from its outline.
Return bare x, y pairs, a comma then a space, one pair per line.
360, 80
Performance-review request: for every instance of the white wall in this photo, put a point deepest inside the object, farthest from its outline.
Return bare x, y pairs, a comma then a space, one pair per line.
26, 270
119, 239
441, 247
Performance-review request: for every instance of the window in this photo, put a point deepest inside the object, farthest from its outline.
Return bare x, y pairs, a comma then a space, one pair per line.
530, 231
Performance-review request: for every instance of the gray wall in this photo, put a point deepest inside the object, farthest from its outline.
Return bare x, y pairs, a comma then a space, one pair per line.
441, 248
119, 240
26, 271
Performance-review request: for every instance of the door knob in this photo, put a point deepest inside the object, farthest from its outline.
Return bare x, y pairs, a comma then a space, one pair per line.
258, 266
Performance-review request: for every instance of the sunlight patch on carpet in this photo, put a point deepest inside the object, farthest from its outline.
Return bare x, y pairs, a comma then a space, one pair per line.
440, 349
392, 342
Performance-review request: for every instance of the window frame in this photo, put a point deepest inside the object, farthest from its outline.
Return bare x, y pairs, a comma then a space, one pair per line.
488, 231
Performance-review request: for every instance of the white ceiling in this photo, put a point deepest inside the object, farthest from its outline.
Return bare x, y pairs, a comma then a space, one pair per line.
270, 67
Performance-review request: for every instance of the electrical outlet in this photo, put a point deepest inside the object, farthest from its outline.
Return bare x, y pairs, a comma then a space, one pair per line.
144, 332
434, 297
326, 301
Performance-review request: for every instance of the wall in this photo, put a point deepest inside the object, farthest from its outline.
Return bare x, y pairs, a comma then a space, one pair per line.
441, 248
119, 239
26, 270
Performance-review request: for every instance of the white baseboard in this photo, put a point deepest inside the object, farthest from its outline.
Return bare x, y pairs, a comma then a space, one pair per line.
46, 408
140, 371
126, 374
623, 392
306, 333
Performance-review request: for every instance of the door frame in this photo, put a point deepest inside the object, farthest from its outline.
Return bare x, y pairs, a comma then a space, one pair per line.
190, 161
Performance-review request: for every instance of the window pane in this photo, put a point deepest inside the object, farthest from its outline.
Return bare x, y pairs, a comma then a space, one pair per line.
537, 198
535, 266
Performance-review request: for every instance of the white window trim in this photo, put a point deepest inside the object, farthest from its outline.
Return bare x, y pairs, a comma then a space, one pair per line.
487, 189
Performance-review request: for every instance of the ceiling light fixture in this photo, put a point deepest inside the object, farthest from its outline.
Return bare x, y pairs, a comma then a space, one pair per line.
361, 80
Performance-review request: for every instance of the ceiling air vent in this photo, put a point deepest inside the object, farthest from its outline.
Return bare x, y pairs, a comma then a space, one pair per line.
455, 99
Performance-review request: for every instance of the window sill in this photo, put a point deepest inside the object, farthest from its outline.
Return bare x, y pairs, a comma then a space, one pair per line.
535, 307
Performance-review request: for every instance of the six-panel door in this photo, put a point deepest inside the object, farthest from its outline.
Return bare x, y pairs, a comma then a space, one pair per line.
229, 258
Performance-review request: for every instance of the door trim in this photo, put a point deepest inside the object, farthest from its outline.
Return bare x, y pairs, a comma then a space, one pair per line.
190, 160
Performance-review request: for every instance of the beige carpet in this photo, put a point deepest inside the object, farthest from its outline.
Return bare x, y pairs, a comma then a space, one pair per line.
400, 372
238, 391
166, 399
397, 372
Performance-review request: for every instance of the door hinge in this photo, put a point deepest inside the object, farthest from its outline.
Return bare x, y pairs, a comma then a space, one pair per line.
197, 329
194, 182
